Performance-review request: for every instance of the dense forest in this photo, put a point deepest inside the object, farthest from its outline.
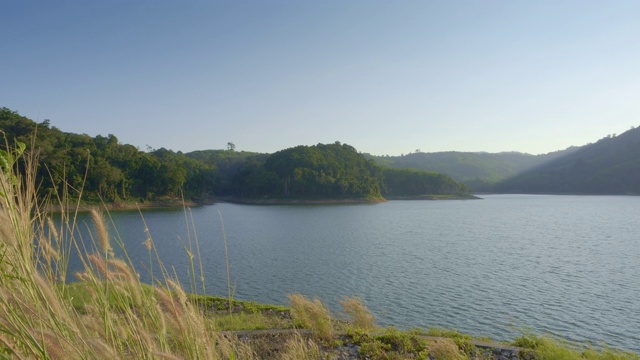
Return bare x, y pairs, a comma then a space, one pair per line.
609, 166
104, 168
320, 171
399, 183
109, 171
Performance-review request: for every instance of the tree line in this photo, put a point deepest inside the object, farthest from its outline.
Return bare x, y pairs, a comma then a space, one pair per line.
110, 171
102, 167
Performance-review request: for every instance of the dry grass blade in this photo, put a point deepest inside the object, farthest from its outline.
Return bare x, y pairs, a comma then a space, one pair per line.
312, 315
299, 348
101, 229
121, 320
359, 314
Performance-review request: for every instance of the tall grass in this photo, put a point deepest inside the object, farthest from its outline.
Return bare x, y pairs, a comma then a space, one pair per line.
121, 318
358, 313
312, 314
299, 348
547, 348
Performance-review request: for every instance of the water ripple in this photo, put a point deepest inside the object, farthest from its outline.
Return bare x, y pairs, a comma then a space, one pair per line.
563, 265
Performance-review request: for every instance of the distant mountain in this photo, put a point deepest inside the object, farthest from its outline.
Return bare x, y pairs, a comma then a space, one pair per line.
609, 166
478, 170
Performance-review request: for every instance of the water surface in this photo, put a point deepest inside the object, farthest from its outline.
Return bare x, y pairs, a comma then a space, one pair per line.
564, 265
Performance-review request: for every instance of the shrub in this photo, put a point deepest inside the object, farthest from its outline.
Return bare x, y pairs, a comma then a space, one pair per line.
375, 349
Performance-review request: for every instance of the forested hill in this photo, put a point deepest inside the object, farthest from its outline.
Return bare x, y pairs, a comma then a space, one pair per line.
321, 171
227, 164
329, 171
112, 172
478, 170
609, 166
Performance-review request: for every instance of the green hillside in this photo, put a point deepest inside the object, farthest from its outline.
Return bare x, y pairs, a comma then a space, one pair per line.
478, 170
609, 166
109, 171
321, 171
102, 167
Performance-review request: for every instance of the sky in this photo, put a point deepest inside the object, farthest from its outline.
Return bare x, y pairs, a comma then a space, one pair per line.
387, 77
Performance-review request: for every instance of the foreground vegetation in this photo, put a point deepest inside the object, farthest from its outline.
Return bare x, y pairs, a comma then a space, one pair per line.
109, 314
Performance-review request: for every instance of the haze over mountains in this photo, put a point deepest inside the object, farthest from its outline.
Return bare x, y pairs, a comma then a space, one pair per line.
478, 170
609, 166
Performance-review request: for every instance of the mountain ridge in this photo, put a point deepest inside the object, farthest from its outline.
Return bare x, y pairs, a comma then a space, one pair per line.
478, 170
609, 166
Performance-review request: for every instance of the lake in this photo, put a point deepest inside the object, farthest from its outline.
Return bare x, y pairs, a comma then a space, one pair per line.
561, 265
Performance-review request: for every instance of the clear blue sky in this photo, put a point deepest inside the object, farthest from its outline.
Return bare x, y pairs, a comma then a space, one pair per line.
387, 77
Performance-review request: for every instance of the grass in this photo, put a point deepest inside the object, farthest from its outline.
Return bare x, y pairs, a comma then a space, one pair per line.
80, 296
547, 348
299, 348
246, 315
312, 314
358, 313
219, 304
109, 313
445, 349
391, 343
462, 341
250, 321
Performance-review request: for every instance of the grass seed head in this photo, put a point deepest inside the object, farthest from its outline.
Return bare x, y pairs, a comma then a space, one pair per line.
101, 229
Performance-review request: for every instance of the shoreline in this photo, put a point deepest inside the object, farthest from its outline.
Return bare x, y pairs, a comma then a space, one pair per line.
276, 201
242, 201
435, 197
179, 203
129, 206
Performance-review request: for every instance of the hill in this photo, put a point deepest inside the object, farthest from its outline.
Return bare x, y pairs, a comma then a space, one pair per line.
228, 163
609, 166
478, 170
321, 172
109, 171
102, 167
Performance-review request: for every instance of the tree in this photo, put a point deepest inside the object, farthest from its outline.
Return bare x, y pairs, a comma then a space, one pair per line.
231, 146
326, 171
